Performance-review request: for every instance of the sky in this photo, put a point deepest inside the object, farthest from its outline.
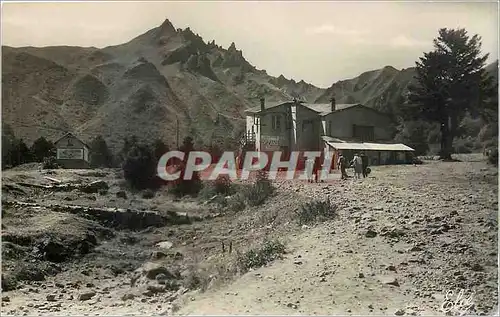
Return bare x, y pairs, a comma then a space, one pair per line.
318, 42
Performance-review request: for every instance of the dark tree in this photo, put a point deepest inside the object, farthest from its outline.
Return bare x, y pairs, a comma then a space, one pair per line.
42, 148
128, 144
187, 145
414, 134
8, 144
186, 186
159, 148
100, 155
26, 154
450, 81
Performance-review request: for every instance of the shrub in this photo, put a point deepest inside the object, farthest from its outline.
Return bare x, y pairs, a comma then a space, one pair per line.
50, 163
223, 185
139, 168
255, 258
185, 187
257, 193
464, 145
493, 156
193, 281
316, 210
237, 202
148, 194
207, 191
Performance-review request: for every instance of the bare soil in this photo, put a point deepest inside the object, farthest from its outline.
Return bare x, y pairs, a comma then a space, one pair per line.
402, 238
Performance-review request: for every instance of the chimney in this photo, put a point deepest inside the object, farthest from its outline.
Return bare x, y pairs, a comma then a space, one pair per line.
262, 104
333, 104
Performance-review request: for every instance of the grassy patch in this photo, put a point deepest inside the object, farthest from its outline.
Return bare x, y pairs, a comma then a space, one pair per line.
316, 211
258, 257
221, 186
257, 193
240, 195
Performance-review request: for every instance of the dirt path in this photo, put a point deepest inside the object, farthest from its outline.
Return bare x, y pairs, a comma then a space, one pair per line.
425, 243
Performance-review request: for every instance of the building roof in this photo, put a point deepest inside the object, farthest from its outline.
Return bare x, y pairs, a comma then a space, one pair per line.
326, 108
366, 146
321, 108
71, 135
267, 105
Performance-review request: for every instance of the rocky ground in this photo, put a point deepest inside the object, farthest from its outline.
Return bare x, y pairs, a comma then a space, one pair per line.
402, 238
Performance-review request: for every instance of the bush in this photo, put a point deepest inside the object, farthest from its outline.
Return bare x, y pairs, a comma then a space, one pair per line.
257, 193
148, 194
50, 163
466, 145
493, 156
139, 168
255, 258
237, 202
315, 211
185, 187
223, 185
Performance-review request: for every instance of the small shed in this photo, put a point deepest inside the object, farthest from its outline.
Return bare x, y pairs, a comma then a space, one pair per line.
72, 152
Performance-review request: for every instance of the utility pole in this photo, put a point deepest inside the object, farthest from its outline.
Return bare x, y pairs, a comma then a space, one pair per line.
177, 132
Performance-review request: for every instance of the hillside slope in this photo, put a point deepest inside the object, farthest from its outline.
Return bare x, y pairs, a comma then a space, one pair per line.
382, 89
141, 87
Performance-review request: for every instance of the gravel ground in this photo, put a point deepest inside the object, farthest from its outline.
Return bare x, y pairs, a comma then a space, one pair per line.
402, 238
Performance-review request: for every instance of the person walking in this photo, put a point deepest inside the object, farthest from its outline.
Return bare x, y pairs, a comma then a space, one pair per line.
364, 160
309, 166
342, 164
358, 165
316, 168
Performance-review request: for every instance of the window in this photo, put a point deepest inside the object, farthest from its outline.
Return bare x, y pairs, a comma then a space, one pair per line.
363, 133
288, 123
70, 142
276, 122
307, 124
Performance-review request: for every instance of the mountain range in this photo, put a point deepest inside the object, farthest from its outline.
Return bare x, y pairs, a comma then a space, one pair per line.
164, 83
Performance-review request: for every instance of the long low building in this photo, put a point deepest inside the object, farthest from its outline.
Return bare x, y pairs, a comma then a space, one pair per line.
378, 153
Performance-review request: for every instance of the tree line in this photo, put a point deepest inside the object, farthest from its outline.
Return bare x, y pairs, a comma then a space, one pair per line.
16, 152
138, 159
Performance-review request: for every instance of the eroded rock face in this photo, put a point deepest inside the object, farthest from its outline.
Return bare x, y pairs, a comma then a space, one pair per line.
201, 65
145, 71
88, 89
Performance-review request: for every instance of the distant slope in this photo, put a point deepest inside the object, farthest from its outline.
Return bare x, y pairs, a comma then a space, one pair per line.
382, 89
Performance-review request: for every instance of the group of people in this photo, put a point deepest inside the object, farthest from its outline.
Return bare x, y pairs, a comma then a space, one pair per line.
359, 162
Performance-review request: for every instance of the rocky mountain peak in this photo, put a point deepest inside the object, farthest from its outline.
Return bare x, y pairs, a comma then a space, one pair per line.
166, 28
232, 47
